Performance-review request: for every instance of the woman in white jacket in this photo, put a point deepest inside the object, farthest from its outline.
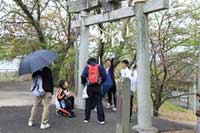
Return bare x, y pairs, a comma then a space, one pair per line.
126, 72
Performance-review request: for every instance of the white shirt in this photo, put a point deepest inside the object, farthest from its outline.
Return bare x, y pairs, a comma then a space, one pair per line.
125, 73
134, 81
107, 68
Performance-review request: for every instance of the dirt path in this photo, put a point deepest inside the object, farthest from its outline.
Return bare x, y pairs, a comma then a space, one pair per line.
15, 94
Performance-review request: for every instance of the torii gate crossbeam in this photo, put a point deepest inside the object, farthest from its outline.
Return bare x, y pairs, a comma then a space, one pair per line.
115, 15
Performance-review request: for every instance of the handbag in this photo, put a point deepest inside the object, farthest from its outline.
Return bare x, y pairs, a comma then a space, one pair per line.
84, 94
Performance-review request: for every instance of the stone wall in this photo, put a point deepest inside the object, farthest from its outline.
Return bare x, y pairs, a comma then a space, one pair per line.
8, 75
13, 75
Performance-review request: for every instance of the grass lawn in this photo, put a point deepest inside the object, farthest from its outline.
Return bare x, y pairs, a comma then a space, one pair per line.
176, 113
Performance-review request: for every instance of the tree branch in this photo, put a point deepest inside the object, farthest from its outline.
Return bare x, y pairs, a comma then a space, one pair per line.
38, 11
45, 5
178, 71
35, 23
173, 97
14, 22
34, 6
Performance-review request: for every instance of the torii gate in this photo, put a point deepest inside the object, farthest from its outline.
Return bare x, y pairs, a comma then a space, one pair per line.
140, 10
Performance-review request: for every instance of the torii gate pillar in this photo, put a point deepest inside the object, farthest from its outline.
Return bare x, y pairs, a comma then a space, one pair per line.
83, 57
143, 63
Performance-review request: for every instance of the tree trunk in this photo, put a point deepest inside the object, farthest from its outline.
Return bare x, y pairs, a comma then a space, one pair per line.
101, 45
156, 111
70, 41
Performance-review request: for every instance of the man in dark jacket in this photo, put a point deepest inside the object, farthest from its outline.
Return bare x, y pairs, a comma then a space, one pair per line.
94, 92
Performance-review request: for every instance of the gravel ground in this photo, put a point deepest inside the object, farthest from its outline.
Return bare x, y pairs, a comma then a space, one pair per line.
15, 106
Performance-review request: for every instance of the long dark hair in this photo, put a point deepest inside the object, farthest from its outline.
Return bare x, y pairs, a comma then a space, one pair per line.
61, 83
36, 74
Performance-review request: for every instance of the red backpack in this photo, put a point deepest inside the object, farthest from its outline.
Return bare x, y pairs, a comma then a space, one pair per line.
93, 74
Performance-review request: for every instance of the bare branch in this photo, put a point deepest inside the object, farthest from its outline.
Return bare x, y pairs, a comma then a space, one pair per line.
35, 23
38, 11
45, 5
34, 6
173, 97
14, 22
178, 71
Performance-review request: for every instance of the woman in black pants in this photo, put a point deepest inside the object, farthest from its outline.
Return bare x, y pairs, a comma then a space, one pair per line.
112, 91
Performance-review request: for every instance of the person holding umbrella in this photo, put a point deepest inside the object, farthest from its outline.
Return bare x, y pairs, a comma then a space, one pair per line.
37, 63
47, 85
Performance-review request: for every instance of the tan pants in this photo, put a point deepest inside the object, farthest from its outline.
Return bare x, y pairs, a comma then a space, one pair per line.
46, 107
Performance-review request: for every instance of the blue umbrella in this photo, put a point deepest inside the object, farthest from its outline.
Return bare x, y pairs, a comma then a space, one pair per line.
36, 60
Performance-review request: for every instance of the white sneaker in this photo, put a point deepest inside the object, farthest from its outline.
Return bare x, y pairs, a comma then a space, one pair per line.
114, 109
108, 106
85, 121
112, 106
30, 123
44, 126
101, 122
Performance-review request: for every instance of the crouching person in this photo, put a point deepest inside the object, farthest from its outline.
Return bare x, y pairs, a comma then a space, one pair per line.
64, 100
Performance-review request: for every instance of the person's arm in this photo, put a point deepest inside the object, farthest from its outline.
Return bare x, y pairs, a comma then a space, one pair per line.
112, 68
69, 93
102, 73
60, 95
84, 76
112, 64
